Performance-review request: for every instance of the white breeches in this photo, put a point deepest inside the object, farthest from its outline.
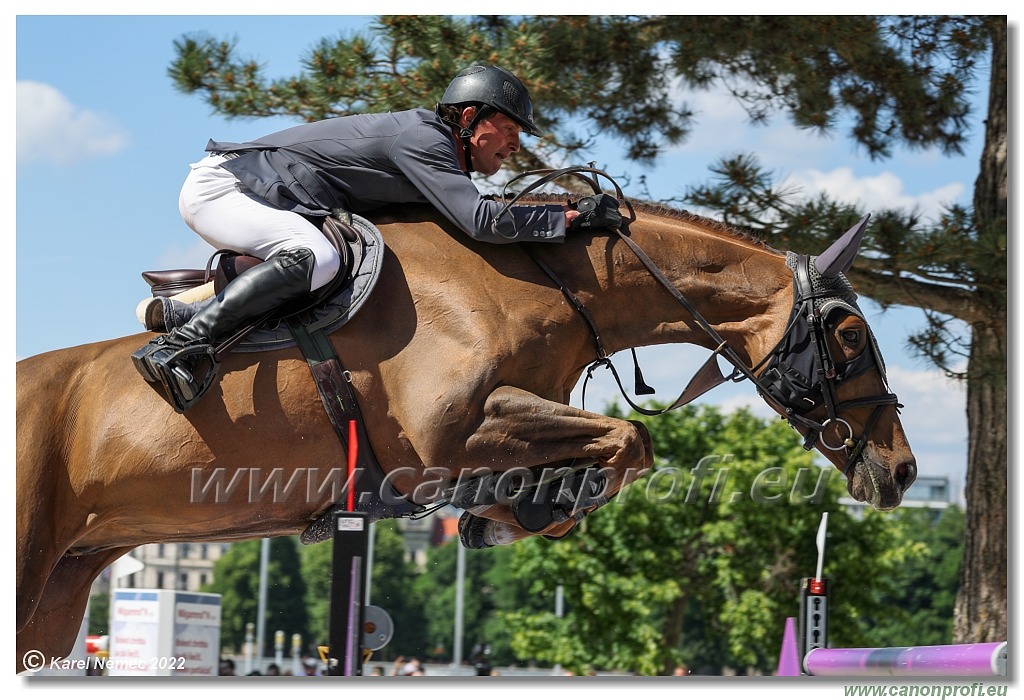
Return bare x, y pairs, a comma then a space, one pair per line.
226, 214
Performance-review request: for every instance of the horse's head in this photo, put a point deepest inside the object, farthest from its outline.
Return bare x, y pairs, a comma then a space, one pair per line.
827, 378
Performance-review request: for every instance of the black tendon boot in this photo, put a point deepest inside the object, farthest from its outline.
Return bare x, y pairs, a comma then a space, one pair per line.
183, 361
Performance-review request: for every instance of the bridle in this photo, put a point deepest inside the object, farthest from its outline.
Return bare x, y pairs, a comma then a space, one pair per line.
800, 373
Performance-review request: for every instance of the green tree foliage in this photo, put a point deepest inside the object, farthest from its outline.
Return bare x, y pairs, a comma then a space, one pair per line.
700, 561
491, 584
236, 576
403, 62
894, 80
315, 564
394, 590
99, 613
923, 589
901, 80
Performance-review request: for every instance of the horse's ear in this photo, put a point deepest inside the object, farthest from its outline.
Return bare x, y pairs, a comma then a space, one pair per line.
839, 256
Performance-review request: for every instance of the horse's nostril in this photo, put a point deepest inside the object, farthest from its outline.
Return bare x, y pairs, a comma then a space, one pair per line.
906, 473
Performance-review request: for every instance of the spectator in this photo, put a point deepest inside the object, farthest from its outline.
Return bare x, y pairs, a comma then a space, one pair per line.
412, 667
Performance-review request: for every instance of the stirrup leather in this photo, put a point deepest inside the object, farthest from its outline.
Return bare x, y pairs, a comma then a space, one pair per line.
186, 373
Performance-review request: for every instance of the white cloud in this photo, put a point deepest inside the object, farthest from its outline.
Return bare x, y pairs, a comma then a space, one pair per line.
720, 123
934, 419
50, 128
935, 407
874, 192
722, 128
750, 401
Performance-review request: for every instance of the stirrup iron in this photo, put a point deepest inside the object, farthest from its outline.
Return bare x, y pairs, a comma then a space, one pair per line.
166, 365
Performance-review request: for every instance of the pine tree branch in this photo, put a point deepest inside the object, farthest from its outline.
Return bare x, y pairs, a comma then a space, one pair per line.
887, 288
887, 264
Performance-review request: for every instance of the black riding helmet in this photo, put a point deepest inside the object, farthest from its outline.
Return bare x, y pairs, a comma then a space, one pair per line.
492, 89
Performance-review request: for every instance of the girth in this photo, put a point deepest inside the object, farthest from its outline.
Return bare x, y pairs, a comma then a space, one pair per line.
372, 494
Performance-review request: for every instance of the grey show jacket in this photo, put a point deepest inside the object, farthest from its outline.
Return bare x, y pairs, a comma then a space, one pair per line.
366, 161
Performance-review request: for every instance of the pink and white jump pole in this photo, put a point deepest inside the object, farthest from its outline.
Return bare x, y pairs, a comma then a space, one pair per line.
988, 659
977, 660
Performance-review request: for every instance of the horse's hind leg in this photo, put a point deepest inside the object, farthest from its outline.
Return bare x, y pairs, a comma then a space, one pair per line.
521, 429
53, 627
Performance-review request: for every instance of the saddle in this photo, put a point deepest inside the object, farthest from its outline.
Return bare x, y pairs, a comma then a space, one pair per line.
168, 283
178, 294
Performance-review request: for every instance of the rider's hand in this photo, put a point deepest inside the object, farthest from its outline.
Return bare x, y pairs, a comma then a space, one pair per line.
598, 211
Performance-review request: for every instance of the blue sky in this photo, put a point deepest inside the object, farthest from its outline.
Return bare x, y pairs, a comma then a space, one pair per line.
104, 142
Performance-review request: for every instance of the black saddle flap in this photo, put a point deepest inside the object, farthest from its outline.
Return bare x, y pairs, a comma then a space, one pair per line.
231, 266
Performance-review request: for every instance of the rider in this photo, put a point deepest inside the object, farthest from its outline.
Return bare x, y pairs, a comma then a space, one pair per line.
261, 198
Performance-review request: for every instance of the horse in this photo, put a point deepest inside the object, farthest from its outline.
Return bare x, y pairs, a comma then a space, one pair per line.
463, 358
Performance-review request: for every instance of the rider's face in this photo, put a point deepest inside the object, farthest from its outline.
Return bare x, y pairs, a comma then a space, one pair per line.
494, 140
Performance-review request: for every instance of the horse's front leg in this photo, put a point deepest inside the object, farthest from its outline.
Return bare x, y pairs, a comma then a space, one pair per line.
522, 430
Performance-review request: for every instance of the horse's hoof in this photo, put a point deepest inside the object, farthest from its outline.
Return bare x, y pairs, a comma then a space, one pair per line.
471, 531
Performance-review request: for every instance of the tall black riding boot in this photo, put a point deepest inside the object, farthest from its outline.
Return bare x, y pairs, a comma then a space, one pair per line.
183, 361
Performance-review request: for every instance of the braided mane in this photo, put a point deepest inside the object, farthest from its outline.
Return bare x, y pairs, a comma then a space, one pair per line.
662, 210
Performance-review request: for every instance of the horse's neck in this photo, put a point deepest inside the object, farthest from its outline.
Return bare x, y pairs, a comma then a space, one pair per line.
743, 290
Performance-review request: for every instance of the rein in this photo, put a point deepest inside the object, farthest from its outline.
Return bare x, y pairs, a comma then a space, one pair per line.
778, 388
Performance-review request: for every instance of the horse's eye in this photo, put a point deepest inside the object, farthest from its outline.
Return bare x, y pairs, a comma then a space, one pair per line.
850, 337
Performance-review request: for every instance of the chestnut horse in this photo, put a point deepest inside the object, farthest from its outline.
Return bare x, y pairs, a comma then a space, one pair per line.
464, 357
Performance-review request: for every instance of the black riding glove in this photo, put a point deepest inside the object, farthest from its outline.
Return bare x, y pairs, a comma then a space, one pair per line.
598, 211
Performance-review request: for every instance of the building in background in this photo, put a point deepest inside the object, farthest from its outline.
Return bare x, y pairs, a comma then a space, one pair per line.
934, 493
189, 566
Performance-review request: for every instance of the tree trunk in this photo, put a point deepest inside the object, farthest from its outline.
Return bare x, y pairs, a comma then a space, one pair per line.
980, 611
980, 614
672, 630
